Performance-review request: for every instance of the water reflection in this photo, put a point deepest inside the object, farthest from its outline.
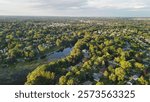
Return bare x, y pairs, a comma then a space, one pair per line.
17, 74
58, 55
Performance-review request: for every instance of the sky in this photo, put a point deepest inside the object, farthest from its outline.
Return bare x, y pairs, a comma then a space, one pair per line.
100, 8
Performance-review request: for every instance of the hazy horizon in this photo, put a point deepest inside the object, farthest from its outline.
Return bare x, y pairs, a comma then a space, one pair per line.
76, 16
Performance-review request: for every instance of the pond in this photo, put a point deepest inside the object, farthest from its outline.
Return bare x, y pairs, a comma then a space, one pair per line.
58, 55
16, 74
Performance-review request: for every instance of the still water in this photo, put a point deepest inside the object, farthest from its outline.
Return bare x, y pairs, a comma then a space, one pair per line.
16, 74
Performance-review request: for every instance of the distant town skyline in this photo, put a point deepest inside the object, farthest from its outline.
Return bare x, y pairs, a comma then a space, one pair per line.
96, 8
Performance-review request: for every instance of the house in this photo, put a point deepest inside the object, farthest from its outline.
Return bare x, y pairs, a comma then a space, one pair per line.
69, 68
113, 63
135, 77
20, 60
86, 53
97, 76
129, 83
87, 83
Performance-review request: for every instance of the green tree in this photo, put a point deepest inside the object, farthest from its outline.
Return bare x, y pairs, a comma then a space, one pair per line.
125, 64
106, 74
139, 66
99, 83
41, 48
62, 80
112, 77
120, 73
71, 81
142, 81
58, 42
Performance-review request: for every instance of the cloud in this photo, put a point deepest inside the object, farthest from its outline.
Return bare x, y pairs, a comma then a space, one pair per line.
61, 4
115, 4
74, 7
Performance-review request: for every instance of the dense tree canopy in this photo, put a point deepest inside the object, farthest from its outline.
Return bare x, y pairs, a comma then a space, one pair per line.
103, 51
